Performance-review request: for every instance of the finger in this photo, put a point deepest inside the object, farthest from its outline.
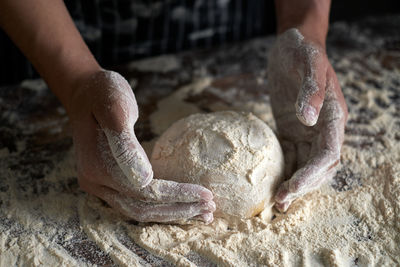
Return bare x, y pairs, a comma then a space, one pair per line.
149, 212
152, 212
169, 192
303, 153
283, 191
91, 164
311, 95
207, 218
289, 150
323, 165
130, 157
337, 107
109, 173
306, 179
117, 115
333, 115
159, 191
318, 169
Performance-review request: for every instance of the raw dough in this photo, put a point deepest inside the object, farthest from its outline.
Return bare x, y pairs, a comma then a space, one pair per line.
235, 155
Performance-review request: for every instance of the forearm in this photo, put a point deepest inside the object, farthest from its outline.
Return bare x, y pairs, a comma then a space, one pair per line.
46, 34
311, 17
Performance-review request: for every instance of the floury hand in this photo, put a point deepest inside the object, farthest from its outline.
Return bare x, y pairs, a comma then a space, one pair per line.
113, 166
310, 112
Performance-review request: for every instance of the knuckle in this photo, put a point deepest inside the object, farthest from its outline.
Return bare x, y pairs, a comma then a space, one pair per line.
138, 212
297, 185
147, 194
116, 108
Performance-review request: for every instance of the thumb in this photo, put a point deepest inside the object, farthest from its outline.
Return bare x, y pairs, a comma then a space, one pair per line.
116, 112
312, 91
130, 156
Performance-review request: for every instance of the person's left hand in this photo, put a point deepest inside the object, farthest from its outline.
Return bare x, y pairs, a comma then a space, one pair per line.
310, 112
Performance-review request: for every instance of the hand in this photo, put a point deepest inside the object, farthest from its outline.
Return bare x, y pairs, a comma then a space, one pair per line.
114, 167
310, 112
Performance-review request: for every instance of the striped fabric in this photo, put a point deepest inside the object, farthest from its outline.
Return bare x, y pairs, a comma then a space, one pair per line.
118, 31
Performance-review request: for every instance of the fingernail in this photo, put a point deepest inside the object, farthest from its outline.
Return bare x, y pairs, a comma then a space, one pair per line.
211, 206
282, 193
206, 195
309, 113
208, 206
147, 179
207, 218
282, 207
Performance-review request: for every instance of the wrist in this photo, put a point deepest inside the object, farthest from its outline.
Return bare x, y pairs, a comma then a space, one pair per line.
310, 17
69, 87
313, 36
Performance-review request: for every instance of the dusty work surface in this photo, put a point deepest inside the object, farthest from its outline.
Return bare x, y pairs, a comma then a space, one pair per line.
353, 221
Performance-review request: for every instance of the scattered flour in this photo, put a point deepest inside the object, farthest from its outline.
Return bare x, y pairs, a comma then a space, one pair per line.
355, 221
176, 106
162, 64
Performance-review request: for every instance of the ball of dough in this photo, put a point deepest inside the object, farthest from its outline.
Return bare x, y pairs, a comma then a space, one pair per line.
235, 155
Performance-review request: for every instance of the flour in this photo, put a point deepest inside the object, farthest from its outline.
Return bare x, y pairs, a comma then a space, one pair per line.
356, 226
353, 221
26, 240
162, 64
177, 108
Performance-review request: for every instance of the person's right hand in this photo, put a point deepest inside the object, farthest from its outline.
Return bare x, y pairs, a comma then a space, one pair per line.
114, 167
